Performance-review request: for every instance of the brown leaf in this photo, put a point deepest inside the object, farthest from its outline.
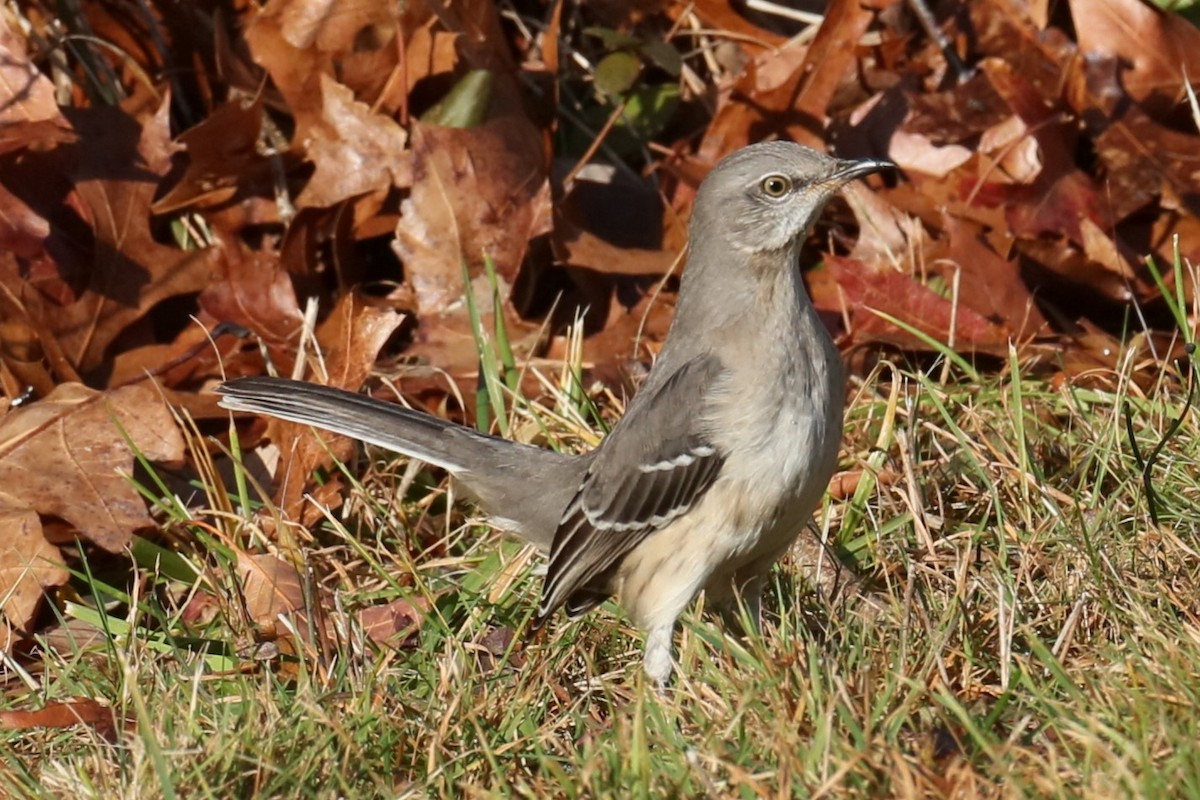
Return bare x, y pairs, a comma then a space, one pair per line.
355, 150
100, 268
77, 711
223, 160
1157, 46
352, 337
335, 28
612, 225
65, 456
475, 191
1011, 147
430, 50
741, 113
252, 289
28, 563
1062, 222
493, 645
988, 283
320, 240
1140, 156
828, 64
270, 587
394, 624
280, 40
958, 114
886, 234
26, 95
582, 248
915, 152
843, 485
23, 353
1176, 220
720, 15
867, 291
1007, 34
23, 231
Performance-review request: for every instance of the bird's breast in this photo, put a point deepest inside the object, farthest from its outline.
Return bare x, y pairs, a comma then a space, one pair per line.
782, 424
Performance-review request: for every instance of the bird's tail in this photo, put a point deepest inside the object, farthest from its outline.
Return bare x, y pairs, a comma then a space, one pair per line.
421, 436
525, 488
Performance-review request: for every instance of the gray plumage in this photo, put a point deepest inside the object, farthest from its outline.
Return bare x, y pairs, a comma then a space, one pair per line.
721, 456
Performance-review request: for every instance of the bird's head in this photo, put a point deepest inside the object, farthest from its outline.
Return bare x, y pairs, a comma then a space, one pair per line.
767, 196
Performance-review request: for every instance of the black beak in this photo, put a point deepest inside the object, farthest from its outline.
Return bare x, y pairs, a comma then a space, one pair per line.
849, 170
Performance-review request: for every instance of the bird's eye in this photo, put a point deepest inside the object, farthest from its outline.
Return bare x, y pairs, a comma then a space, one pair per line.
776, 185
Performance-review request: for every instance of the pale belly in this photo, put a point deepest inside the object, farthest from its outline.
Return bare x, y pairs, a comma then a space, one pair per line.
737, 531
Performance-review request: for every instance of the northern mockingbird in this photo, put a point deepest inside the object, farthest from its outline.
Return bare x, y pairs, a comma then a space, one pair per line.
722, 455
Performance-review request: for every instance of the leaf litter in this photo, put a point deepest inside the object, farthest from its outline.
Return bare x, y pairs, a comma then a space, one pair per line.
302, 196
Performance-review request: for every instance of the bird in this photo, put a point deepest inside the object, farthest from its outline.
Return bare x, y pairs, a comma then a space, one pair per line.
723, 453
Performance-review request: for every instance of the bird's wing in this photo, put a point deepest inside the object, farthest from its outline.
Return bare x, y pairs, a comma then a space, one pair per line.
652, 468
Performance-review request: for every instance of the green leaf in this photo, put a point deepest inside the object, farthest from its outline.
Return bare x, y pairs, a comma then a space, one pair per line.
612, 39
664, 55
649, 109
616, 73
466, 105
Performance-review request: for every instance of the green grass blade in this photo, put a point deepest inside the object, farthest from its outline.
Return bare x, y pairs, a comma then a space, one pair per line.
939, 347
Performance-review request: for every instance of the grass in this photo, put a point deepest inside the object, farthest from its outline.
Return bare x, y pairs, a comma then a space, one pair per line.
1038, 635
1037, 632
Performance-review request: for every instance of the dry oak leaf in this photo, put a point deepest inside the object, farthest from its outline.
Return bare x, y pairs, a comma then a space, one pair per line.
26, 95
127, 271
277, 603
270, 587
66, 456
75, 711
28, 563
902, 296
355, 150
394, 624
222, 159
252, 288
475, 190
1157, 48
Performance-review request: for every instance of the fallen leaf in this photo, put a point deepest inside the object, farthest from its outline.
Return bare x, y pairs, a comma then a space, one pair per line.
252, 289
898, 295
354, 149
1156, 47
100, 269
28, 563
394, 624
1011, 147
66, 455
613, 225
828, 64
350, 341
914, 152
270, 587
77, 711
222, 159
722, 16
475, 191
1140, 156
26, 95
988, 283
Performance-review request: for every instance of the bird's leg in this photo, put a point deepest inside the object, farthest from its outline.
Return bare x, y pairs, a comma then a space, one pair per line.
658, 662
744, 592
752, 592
